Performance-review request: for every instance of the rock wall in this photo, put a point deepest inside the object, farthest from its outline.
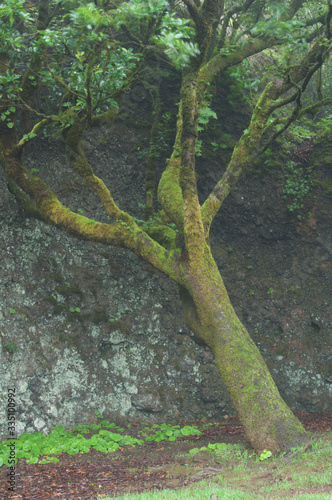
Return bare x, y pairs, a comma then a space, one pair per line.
88, 329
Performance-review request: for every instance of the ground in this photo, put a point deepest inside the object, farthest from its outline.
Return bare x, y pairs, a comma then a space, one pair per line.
153, 466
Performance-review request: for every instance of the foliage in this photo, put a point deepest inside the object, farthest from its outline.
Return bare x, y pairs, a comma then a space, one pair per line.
165, 134
76, 309
138, 9
11, 347
205, 114
297, 186
324, 126
302, 470
264, 455
244, 84
173, 34
83, 67
36, 445
174, 37
210, 447
226, 452
168, 432
96, 66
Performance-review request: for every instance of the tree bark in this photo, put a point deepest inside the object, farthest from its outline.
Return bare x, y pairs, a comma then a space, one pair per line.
267, 420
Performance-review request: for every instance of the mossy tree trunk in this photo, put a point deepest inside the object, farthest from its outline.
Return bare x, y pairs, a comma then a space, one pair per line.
267, 420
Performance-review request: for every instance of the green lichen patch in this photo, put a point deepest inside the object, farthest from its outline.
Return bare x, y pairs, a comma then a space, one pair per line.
97, 315
325, 185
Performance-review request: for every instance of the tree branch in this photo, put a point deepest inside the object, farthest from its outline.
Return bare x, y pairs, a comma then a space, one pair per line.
293, 8
30, 136
193, 11
246, 148
328, 20
130, 35
297, 113
80, 164
123, 233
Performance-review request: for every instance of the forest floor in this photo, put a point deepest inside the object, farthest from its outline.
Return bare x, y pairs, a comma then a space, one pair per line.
168, 465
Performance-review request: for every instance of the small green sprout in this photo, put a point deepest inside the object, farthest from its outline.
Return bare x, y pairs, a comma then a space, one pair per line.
76, 309
265, 454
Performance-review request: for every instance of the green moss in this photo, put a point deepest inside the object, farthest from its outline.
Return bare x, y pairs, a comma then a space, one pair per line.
169, 192
106, 255
326, 186
327, 369
106, 352
10, 347
119, 326
177, 365
72, 340
161, 392
163, 235
98, 315
68, 291
74, 134
58, 309
106, 118
57, 277
51, 300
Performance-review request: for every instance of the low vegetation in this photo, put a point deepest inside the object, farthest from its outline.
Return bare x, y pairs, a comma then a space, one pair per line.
228, 471
232, 472
38, 448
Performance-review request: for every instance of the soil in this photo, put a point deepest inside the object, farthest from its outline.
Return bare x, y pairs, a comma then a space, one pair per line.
153, 466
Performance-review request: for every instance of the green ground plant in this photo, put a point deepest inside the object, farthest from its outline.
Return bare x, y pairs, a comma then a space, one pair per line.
167, 432
11, 347
303, 474
229, 471
37, 448
207, 490
297, 186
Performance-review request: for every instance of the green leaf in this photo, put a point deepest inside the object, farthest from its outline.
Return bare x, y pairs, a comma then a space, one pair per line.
76, 309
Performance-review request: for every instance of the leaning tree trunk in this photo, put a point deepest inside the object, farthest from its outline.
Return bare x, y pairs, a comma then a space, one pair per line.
267, 420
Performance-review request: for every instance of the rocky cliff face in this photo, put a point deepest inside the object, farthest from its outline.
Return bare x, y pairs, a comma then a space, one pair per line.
86, 328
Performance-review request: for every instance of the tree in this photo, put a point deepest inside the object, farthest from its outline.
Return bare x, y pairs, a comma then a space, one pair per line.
90, 53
